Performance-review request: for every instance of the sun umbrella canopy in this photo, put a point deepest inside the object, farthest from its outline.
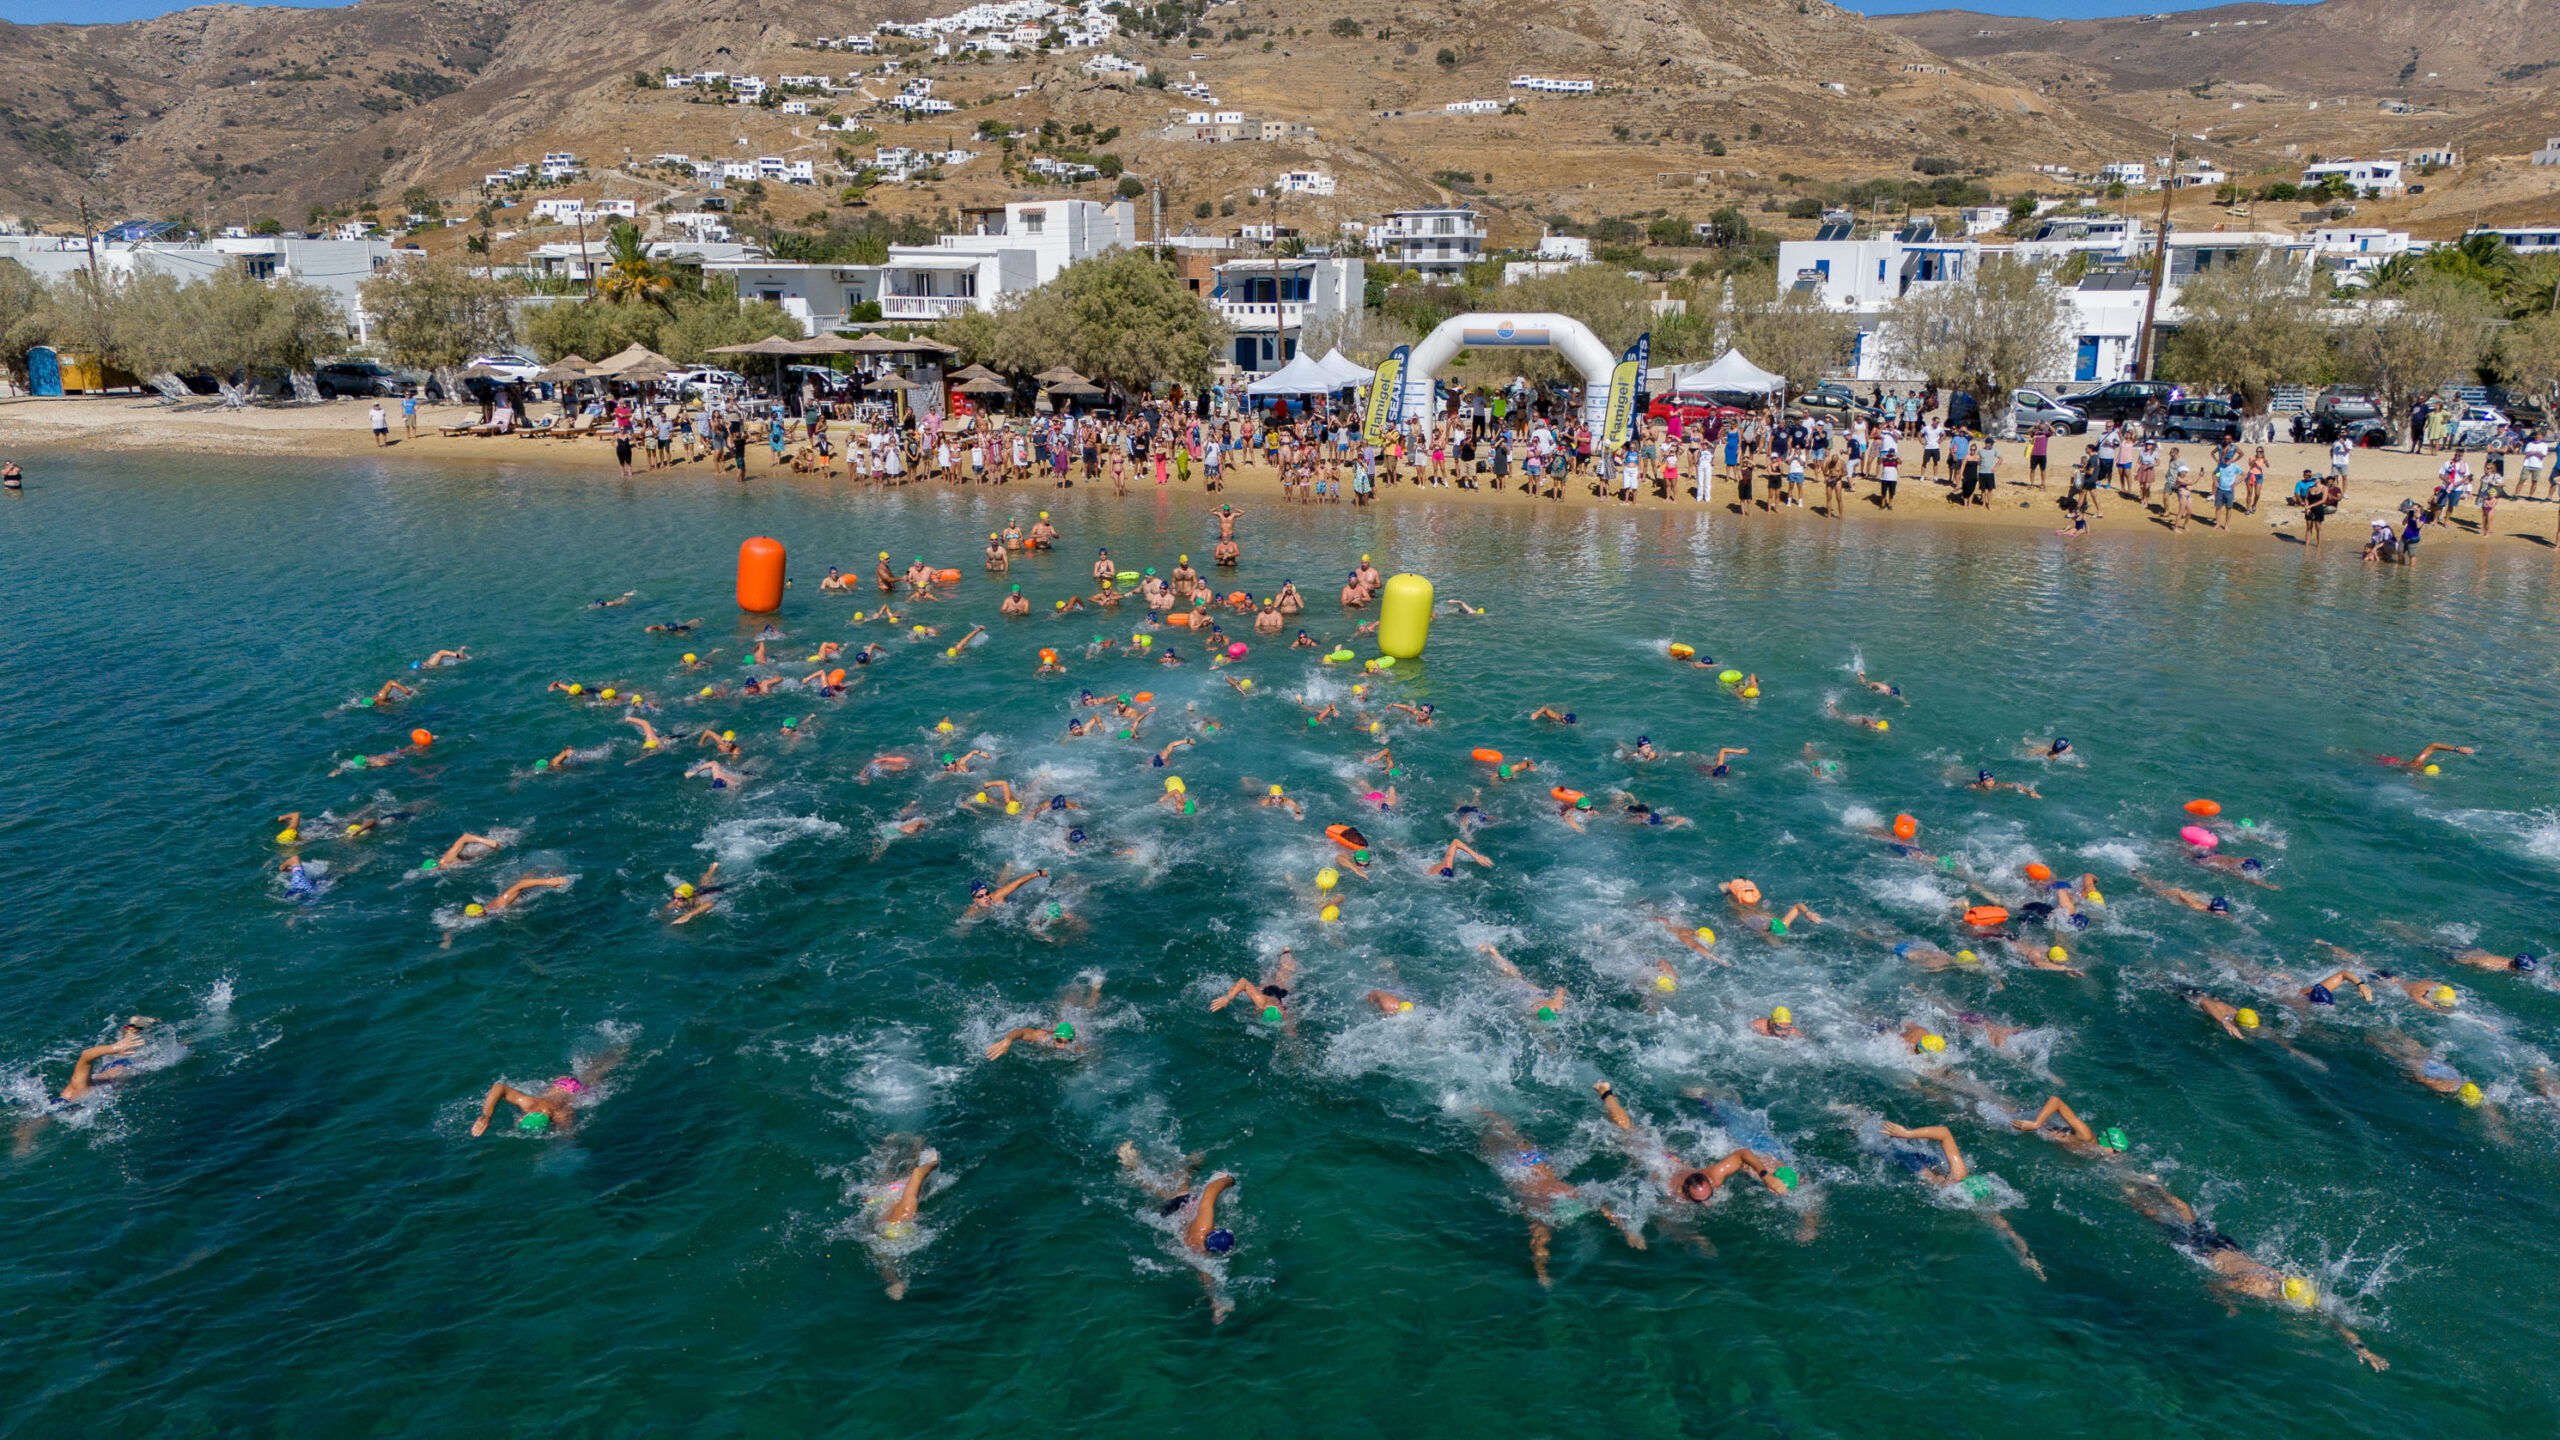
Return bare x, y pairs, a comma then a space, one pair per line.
564, 370
876, 345
891, 382
634, 354
1060, 376
769, 345
976, 372
1076, 387
830, 344
985, 387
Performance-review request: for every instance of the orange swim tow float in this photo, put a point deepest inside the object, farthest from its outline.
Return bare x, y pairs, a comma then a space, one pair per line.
2206, 808
1986, 915
1489, 757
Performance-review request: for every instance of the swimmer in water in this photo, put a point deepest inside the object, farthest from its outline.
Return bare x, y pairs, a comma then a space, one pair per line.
960, 764
2053, 750
1547, 712
2419, 764
2237, 1272
1166, 753
649, 738
100, 1064
1881, 687
2250, 870
983, 896
1822, 766
1640, 813
879, 765
681, 627
1543, 1006
1719, 770
896, 1221
1778, 1024
1304, 642
2324, 991
611, 604
1421, 714
1268, 997
2224, 1013
2207, 904
2075, 1136
392, 690
442, 658
1060, 1035
1544, 1196
722, 777
463, 851
1202, 1236
1982, 780
1833, 710
1694, 1183
2423, 1066
726, 742
690, 901
556, 1107
1279, 800
1447, 868
1954, 1172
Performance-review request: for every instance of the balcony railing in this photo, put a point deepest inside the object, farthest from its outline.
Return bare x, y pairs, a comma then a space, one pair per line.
1258, 315
923, 307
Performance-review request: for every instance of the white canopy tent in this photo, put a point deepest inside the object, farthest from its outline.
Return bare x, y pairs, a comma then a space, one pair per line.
1303, 375
1733, 373
1338, 364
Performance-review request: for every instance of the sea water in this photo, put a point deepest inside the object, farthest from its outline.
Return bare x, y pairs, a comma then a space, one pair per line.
281, 1224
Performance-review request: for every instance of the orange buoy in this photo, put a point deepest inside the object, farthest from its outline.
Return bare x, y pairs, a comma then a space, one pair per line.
1178, 617
421, 739
1742, 892
2039, 873
835, 677
947, 577
1567, 796
760, 564
1904, 827
1235, 597
1143, 696
1489, 757
2206, 808
1986, 915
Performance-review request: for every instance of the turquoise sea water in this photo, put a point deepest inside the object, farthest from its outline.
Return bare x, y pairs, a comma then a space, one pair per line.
282, 1225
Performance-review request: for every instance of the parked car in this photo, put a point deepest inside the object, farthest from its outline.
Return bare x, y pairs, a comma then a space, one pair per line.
508, 365
1695, 409
355, 377
723, 383
2126, 400
829, 382
1963, 412
2201, 420
2477, 425
2031, 408
2368, 433
2525, 407
2340, 404
1837, 401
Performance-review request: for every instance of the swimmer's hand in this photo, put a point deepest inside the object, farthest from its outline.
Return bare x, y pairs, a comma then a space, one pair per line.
480, 1126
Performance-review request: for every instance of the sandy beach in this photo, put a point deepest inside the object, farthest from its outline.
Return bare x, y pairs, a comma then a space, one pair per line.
2381, 478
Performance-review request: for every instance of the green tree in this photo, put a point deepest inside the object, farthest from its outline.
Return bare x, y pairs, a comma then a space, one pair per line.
1121, 318
715, 318
2529, 356
23, 303
1795, 336
2426, 333
435, 314
2249, 327
1131, 187
632, 275
1988, 333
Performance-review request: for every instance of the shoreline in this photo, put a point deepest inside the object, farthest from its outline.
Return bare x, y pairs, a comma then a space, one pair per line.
337, 430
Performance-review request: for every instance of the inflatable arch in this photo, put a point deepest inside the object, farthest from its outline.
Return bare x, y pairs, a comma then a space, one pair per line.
1561, 333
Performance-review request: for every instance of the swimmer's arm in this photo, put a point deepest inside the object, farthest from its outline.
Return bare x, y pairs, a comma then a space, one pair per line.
489, 1104
1609, 1102
1028, 1032
1204, 1213
78, 1085
1505, 966
1241, 987
2438, 745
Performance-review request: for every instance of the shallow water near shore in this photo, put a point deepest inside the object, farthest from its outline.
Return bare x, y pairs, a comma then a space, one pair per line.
281, 1223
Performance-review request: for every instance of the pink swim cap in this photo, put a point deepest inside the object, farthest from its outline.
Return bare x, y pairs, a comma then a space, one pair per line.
571, 1084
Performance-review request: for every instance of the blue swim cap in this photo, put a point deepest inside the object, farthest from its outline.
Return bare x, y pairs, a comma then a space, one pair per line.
2320, 996
2252, 867
979, 887
2059, 745
1218, 1242
2219, 906
2526, 962
1982, 775
1568, 719
1057, 802
1643, 740
1076, 836
1159, 762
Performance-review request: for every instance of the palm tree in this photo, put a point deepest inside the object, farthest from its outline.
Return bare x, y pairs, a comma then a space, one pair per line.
633, 275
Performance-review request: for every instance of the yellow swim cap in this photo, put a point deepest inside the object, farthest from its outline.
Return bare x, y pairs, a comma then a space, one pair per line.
355, 829
1173, 783
577, 689
1327, 878
2096, 899
918, 630
2443, 995
2434, 770
1013, 807
1784, 1016
2469, 1094
1752, 692
475, 908
706, 690
684, 891
688, 657
1881, 725
2300, 1292
1403, 1005
605, 694
857, 614
2248, 1019
1706, 936
1665, 984
978, 799
1244, 684
728, 734
1967, 957
287, 837
2058, 955
1359, 689
1933, 1043
1186, 559
884, 554
1275, 790
1330, 914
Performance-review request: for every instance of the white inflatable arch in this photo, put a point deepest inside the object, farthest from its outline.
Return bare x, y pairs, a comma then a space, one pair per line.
1562, 333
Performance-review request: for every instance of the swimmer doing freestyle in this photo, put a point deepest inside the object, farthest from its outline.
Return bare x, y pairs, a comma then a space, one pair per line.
556, 1106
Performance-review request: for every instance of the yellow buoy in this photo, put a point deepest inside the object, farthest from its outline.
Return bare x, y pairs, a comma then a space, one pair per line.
1404, 616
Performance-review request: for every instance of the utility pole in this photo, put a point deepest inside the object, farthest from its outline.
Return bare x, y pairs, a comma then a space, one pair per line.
583, 262
2145, 349
89, 236
1279, 340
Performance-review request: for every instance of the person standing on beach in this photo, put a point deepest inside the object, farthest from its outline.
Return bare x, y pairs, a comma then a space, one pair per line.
408, 414
381, 425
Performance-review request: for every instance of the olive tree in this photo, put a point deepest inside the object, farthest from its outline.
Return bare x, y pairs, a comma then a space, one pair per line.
1988, 333
2429, 333
2247, 328
436, 314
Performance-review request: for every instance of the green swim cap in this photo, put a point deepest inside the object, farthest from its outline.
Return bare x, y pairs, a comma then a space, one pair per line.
541, 764
2114, 1138
1064, 1031
1311, 722
1190, 807
1546, 1012
1271, 1014
1777, 927
427, 864
534, 1120
1125, 734
1360, 857
366, 700
1977, 1187
1786, 1175
1396, 773
1056, 909
1504, 771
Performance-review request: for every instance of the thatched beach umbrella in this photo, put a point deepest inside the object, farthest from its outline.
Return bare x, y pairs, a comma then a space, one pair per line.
1060, 376
975, 372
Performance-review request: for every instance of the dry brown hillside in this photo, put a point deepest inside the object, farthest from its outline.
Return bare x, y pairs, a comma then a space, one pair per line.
229, 113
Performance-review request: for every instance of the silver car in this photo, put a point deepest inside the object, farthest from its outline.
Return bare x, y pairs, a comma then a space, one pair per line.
2030, 408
